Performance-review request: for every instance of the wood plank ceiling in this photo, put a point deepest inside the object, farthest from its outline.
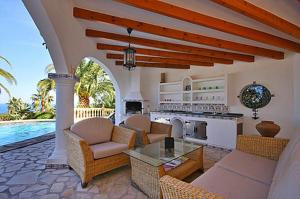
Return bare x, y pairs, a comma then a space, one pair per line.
181, 56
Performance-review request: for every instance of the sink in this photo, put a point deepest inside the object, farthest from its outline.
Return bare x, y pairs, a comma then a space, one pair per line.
233, 115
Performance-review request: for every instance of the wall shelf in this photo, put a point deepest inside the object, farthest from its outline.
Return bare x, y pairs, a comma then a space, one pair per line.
194, 91
170, 83
171, 102
171, 93
208, 91
208, 79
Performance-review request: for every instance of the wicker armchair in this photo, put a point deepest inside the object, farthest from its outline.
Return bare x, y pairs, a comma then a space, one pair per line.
270, 148
82, 154
267, 147
147, 131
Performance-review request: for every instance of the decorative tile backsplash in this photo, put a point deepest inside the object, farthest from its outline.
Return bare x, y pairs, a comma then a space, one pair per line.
218, 108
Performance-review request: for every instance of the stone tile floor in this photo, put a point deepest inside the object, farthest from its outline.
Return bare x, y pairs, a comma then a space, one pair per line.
23, 175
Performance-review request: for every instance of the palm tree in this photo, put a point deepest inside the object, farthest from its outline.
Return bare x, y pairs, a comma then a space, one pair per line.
42, 101
18, 109
94, 82
49, 69
7, 76
47, 84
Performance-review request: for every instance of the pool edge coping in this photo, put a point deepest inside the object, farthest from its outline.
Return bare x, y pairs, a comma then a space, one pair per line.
28, 142
24, 121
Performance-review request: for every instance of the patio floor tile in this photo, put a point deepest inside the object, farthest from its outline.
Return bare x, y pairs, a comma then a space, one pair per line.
23, 175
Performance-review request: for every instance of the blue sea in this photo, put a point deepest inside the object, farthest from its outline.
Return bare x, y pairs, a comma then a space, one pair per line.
3, 108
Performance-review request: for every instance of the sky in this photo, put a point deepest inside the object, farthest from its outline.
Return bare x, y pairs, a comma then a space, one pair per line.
21, 45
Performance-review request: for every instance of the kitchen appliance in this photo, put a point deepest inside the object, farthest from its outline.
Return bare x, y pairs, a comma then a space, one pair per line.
196, 129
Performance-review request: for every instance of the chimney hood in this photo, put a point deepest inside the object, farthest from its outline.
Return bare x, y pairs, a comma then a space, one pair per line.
134, 93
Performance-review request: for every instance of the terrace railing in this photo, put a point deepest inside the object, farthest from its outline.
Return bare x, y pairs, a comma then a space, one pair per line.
84, 113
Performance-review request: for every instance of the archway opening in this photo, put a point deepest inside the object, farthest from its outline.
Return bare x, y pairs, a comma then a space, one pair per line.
97, 92
178, 127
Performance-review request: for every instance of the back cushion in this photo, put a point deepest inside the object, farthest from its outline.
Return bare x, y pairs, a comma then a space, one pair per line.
141, 122
286, 155
94, 130
287, 185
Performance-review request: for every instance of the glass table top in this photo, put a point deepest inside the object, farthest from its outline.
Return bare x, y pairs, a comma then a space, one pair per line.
156, 155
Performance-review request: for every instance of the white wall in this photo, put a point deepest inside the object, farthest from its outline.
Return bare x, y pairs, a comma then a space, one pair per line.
275, 75
296, 85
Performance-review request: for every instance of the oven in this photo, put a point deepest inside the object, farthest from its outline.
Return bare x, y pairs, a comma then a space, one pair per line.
133, 107
196, 129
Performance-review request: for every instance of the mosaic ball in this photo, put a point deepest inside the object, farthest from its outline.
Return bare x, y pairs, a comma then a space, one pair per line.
255, 96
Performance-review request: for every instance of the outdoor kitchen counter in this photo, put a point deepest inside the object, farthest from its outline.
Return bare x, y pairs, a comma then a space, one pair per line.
226, 116
221, 130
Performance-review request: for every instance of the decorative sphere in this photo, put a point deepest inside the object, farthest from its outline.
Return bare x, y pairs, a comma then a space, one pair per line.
255, 96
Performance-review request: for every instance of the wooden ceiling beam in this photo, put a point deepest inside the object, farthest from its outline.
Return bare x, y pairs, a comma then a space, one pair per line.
161, 60
176, 34
170, 46
261, 15
183, 14
169, 54
156, 65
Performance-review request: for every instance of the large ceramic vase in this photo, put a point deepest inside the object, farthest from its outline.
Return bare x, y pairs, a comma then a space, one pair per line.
267, 128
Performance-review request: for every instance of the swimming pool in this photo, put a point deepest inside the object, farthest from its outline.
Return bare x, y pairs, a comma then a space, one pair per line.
15, 132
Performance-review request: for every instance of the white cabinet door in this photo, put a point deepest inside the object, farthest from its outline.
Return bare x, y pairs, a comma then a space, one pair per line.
222, 133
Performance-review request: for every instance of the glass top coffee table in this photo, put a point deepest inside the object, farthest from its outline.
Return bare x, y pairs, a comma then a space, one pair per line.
150, 162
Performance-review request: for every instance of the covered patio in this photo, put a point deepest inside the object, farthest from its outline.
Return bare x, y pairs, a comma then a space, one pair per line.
24, 175
193, 60
76, 29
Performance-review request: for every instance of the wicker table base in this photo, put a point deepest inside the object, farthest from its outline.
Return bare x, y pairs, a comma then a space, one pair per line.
146, 177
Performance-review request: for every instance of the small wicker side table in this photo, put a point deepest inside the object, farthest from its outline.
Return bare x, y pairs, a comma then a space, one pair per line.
147, 164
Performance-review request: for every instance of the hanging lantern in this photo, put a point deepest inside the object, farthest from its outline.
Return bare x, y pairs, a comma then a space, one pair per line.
129, 55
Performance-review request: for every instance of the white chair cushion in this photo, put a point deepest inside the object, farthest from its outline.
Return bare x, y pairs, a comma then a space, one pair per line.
107, 149
231, 185
140, 122
285, 156
94, 130
248, 165
156, 137
287, 185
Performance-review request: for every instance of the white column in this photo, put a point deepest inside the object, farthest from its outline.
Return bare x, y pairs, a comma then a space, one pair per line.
64, 116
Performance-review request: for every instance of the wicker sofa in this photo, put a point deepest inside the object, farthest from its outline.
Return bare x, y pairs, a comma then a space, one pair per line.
95, 146
147, 131
260, 168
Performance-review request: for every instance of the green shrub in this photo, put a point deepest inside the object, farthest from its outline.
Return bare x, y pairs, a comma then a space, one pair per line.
5, 117
44, 115
17, 109
30, 115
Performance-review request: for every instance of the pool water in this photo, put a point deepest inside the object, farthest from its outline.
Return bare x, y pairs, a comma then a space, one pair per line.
10, 133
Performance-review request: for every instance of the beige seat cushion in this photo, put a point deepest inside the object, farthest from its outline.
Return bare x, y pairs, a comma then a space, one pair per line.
286, 156
156, 137
287, 185
107, 149
94, 130
248, 165
231, 185
140, 122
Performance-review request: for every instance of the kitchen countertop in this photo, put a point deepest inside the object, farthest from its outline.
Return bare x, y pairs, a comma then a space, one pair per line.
203, 114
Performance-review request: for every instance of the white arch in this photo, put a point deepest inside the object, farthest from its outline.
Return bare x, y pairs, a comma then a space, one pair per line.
48, 32
68, 45
118, 103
